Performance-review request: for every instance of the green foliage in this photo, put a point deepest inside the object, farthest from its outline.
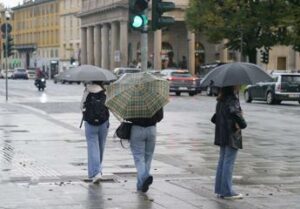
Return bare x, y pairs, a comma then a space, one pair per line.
251, 24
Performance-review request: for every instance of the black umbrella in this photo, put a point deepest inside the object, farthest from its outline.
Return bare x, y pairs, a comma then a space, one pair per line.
237, 73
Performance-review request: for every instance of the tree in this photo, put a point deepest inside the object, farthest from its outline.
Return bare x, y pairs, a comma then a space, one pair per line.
291, 25
247, 25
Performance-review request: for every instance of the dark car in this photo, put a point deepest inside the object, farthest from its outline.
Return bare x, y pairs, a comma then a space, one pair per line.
181, 81
20, 73
285, 87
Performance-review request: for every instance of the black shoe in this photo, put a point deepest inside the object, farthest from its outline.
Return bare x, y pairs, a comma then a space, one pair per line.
146, 183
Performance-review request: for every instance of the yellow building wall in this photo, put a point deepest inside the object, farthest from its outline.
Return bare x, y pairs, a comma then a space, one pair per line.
37, 24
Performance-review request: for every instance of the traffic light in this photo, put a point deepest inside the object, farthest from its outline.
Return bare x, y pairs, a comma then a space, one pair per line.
264, 56
158, 8
8, 48
137, 17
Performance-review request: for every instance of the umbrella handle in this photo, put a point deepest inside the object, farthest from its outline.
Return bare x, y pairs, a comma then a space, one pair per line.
81, 122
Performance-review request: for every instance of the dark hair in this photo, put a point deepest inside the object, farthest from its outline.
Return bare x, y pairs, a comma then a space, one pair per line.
225, 92
97, 82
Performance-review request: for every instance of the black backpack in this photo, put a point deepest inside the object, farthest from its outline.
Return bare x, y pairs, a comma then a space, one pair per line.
95, 112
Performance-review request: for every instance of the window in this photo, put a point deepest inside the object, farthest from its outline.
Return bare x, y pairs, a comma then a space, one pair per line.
290, 78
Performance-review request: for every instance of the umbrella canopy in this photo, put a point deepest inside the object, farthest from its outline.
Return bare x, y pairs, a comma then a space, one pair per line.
236, 73
137, 95
90, 73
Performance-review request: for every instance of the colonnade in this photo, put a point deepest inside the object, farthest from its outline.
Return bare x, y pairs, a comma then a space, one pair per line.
105, 45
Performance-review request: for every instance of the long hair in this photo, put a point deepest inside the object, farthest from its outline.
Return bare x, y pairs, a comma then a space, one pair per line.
225, 92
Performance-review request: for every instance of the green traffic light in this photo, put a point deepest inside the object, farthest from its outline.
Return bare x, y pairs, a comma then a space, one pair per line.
139, 21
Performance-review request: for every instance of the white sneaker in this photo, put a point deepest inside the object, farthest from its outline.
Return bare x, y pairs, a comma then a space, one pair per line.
234, 197
97, 178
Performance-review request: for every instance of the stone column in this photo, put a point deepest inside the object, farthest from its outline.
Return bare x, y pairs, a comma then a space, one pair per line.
291, 59
83, 53
191, 61
114, 44
97, 45
124, 42
157, 49
90, 45
105, 46
297, 57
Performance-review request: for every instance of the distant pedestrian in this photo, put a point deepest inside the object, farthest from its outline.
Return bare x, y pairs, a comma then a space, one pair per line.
183, 63
96, 121
142, 144
229, 121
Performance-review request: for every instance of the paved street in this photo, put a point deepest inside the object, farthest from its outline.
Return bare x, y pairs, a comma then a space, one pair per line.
43, 155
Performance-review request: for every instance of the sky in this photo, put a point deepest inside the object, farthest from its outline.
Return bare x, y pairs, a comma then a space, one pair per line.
11, 3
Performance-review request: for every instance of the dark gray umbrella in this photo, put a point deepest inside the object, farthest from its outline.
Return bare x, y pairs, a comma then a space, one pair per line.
90, 73
237, 73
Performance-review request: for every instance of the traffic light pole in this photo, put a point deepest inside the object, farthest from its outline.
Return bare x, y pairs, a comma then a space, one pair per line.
6, 61
144, 45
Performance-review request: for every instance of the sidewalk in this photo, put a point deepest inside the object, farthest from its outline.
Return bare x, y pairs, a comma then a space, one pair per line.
43, 161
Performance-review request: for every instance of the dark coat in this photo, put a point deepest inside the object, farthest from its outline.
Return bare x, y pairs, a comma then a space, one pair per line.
146, 122
228, 114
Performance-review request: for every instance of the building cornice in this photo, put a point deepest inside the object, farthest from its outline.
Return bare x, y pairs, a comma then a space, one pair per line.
31, 4
119, 5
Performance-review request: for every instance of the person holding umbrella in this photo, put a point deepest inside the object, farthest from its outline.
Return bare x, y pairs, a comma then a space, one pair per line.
228, 121
96, 122
139, 98
142, 144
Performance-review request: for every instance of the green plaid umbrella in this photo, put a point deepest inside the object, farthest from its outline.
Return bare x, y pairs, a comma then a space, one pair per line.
137, 95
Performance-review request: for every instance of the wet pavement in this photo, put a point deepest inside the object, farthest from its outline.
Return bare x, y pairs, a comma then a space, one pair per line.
43, 156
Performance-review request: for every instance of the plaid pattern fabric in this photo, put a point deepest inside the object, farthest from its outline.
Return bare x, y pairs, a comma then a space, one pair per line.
137, 95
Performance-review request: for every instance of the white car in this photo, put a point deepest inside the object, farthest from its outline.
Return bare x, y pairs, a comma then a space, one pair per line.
9, 73
123, 70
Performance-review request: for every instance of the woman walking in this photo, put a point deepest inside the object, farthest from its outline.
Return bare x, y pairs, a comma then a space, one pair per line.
142, 144
96, 122
229, 121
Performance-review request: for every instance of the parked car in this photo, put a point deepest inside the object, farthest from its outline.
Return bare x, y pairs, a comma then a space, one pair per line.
284, 87
181, 81
31, 73
123, 70
212, 90
62, 77
20, 73
9, 73
58, 78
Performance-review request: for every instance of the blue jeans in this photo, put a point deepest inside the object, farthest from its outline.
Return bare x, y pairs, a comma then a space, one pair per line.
223, 184
96, 138
142, 144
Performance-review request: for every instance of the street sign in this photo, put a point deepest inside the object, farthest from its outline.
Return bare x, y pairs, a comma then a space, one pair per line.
6, 26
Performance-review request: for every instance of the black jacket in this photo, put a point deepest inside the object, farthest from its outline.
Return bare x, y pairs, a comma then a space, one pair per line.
228, 114
145, 122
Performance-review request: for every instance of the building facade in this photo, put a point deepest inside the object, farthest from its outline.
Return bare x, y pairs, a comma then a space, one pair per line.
52, 34
36, 35
69, 50
107, 41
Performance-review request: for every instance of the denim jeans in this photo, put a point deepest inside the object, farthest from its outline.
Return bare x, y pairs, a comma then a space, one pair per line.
96, 138
223, 184
142, 144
